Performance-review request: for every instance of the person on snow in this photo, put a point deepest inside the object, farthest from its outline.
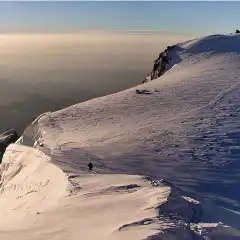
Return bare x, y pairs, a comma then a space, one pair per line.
90, 166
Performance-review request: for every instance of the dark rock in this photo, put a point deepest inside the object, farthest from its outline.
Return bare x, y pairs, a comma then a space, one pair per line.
143, 91
6, 139
170, 48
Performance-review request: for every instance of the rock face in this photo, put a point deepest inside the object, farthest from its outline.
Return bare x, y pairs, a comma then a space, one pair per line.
6, 139
161, 65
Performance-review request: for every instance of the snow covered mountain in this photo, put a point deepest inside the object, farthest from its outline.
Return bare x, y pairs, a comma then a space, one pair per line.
186, 130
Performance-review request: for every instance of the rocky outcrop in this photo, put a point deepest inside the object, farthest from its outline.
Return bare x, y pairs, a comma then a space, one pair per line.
6, 139
161, 64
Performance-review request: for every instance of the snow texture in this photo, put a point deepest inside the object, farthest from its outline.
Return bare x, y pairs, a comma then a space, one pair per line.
182, 127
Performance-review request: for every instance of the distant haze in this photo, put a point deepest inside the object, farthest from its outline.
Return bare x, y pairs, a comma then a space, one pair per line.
86, 50
46, 72
55, 54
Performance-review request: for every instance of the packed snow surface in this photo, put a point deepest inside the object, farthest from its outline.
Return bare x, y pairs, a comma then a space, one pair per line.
185, 130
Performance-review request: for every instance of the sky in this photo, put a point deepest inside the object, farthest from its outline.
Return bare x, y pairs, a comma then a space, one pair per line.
62, 53
196, 18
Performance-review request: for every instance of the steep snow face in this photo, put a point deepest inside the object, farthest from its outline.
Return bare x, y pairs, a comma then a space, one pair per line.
184, 130
31, 135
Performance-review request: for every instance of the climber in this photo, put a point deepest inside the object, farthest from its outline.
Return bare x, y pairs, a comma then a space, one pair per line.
90, 166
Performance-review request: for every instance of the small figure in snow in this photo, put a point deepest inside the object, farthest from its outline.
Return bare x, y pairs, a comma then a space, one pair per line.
90, 166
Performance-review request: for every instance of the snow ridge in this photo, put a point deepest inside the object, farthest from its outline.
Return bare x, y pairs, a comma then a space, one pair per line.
184, 130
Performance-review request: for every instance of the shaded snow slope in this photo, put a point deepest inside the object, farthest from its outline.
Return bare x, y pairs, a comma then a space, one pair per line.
186, 131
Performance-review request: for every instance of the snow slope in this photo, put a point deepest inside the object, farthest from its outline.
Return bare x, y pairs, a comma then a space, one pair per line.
185, 131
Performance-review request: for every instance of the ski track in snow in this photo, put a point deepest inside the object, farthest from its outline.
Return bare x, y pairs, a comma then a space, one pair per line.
223, 93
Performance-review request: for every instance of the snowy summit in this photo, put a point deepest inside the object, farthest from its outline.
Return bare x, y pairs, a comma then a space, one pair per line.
165, 164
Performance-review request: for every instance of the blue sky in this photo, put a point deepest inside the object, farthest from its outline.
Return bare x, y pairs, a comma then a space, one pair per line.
171, 17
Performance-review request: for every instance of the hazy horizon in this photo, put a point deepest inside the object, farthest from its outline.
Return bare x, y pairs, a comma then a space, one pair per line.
46, 72
54, 54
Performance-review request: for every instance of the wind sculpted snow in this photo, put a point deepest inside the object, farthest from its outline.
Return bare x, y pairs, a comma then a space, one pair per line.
185, 131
